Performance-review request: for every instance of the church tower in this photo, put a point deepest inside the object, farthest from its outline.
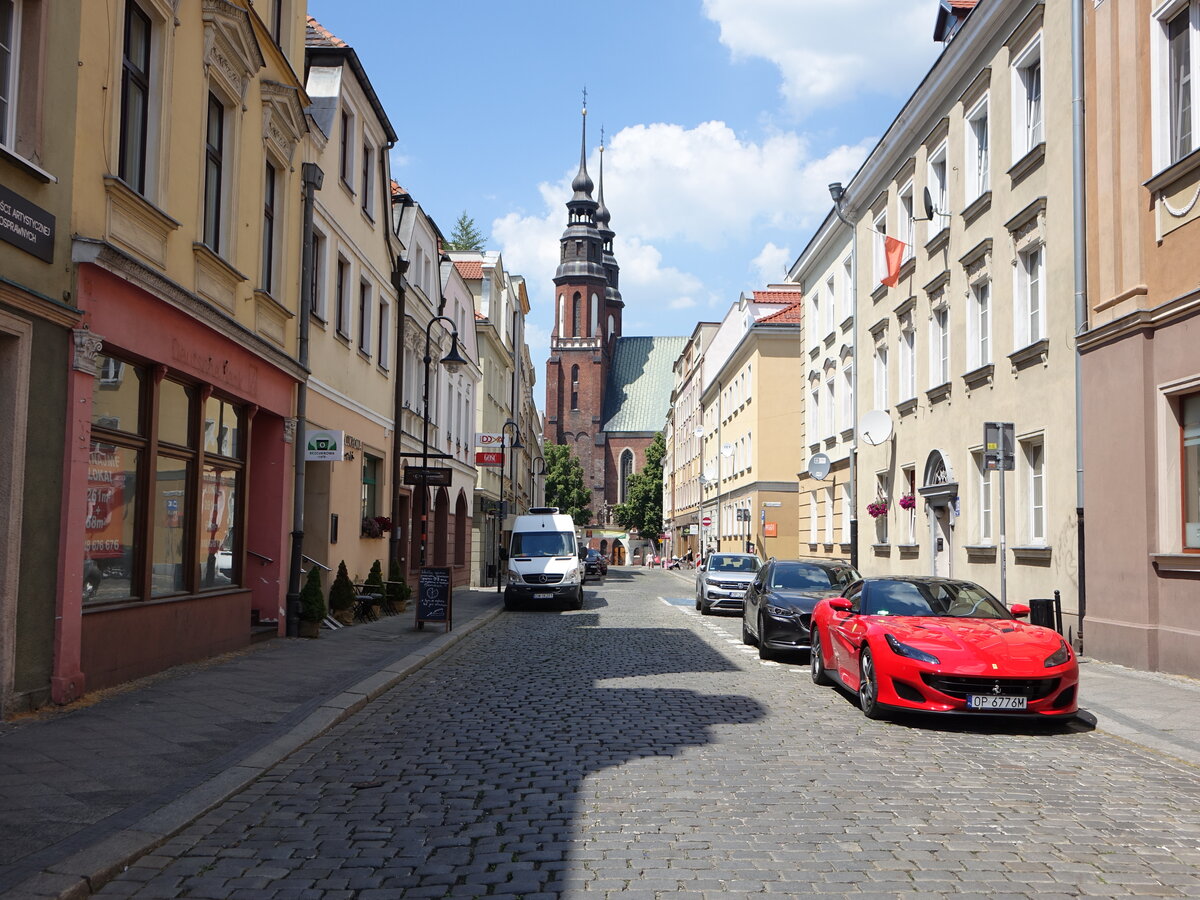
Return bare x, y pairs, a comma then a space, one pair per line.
587, 321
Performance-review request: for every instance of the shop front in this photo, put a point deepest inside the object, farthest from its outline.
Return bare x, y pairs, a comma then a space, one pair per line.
178, 486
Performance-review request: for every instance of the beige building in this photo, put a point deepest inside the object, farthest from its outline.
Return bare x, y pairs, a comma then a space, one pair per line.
749, 452
684, 435
978, 325
190, 142
1140, 357
352, 326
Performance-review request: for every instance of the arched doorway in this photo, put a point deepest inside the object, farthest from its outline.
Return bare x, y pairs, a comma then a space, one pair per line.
462, 519
441, 527
940, 491
420, 503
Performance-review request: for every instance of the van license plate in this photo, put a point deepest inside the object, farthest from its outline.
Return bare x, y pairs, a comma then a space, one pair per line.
543, 596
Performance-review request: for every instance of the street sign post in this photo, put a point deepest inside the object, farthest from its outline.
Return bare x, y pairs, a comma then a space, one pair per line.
998, 456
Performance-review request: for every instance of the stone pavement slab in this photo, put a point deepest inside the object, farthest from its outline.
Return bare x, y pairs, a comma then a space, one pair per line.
85, 788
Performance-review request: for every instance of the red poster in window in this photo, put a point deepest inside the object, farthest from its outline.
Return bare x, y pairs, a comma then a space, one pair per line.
489, 457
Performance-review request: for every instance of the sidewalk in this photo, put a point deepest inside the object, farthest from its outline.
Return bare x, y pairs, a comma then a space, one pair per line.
86, 789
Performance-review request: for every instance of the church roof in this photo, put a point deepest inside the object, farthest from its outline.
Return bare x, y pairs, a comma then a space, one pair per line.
638, 393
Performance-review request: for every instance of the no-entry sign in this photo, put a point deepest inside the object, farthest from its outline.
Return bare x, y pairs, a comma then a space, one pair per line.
706, 521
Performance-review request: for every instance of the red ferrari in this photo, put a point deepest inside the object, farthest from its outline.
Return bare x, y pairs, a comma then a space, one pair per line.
926, 644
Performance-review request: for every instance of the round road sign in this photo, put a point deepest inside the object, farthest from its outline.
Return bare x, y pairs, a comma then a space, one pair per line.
706, 521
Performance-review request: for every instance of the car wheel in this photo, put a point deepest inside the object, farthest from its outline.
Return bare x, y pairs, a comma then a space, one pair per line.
577, 601
510, 602
763, 652
868, 686
747, 637
816, 665
697, 600
705, 608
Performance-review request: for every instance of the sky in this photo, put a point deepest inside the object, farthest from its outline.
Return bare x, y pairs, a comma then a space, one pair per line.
724, 121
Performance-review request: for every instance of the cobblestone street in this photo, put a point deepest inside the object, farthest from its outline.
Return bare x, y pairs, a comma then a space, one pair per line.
636, 747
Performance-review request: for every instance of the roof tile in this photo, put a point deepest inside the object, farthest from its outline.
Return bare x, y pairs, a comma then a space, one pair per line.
469, 269
776, 296
789, 315
317, 35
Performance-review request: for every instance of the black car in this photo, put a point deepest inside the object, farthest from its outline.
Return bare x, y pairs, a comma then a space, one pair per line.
594, 563
777, 611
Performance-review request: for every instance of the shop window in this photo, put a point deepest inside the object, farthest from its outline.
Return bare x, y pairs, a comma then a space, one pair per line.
372, 469
164, 506
1191, 472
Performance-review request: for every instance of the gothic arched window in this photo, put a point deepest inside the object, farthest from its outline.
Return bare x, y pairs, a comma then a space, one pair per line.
574, 387
626, 472
575, 315
595, 330
562, 314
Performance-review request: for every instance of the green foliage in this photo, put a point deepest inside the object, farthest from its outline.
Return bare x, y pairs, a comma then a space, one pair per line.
465, 235
398, 591
341, 592
312, 597
642, 508
564, 483
374, 580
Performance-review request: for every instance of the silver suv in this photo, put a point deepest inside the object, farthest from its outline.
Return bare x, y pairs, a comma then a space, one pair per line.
722, 581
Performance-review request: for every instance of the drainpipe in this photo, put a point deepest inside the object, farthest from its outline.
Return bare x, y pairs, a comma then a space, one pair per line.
1079, 203
312, 177
838, 196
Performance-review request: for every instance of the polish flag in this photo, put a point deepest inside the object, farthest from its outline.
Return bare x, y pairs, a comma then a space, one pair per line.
893, 251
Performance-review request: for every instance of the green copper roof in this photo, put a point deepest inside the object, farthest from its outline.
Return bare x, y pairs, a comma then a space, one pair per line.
640, 381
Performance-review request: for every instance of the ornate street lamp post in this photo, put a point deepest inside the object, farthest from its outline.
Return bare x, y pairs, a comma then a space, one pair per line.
539, 468
452, 362
515, 445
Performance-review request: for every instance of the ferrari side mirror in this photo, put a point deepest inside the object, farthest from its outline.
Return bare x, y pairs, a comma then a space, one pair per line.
841, 604
1020, 610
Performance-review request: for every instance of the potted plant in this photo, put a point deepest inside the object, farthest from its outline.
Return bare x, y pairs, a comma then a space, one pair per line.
908, 501
342, 596
374, 587
878, 508
312, 605
398, 590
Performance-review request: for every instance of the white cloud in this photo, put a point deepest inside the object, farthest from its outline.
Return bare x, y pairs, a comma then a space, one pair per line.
827, 52
682, 303
770, 266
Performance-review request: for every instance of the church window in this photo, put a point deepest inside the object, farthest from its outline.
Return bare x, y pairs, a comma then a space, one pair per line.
575, 314
611, 326
595, 330
574, 387
626, 473
562, 314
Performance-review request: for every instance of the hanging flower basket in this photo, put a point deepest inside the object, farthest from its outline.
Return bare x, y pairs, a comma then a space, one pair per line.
908, 501
877, 509
376, 526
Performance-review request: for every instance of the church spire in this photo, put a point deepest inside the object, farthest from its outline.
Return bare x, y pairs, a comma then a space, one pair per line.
582, 185
603, 216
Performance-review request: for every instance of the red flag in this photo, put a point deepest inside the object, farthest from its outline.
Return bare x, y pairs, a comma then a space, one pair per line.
893, 250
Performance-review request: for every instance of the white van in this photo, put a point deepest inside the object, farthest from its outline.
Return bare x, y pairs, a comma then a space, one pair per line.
543, 559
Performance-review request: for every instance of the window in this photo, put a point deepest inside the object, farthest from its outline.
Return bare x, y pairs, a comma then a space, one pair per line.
372, 484
814, 316
813, 418
1174, 47
574, 387
575, 302
10, 68
939, 348
909, 516
318, 275
1027, 99
847, 288
906, 219
1035, 491
167, 525
977, 175
626, 470
214, 145
812, 517
368, 162
345, 149
938, 191
881, 378
983, 480
981, 324
879, 248
135, 98
830, 508
882, 487
342, 300
385, 333
908, 363
830, 311
268, 236
846, 514
364, 316
1190, 408
1029, 318
847, 413
830, 408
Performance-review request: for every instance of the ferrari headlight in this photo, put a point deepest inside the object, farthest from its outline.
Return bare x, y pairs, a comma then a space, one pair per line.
911, 652
1059, 656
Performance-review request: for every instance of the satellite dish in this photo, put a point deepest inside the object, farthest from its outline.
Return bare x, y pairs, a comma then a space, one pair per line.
929, 210
875, 427
727, 450
818, 466
709, 476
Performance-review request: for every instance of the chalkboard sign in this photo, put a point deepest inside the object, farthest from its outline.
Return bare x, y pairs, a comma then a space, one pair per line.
434, 598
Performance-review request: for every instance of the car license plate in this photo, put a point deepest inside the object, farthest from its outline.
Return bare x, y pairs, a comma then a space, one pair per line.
543, 596
995, 701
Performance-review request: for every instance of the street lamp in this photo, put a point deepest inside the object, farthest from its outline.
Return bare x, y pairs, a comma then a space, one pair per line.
539, 468
516, 445
452, 362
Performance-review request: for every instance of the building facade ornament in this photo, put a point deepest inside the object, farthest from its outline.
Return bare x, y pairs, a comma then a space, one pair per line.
88, 345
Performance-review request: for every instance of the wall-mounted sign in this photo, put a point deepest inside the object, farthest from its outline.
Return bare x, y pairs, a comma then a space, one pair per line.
489, 457
770, 529
487, 439
324, 446
26, 225
998, 446
430, 476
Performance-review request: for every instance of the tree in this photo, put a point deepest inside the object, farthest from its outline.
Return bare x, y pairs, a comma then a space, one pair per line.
465, 236
642, 508
564, 483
